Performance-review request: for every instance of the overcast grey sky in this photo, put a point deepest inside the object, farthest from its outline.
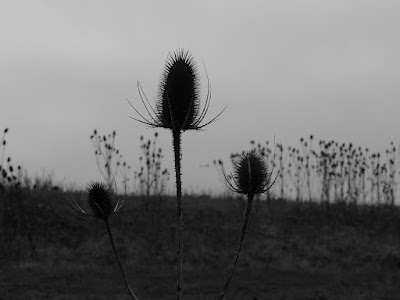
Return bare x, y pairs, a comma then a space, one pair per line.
284, 68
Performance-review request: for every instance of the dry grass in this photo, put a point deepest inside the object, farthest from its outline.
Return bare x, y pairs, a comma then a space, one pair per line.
306, 251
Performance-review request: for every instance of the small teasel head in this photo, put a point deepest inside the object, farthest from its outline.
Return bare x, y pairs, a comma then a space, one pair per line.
250, 175
178, 103
99, 202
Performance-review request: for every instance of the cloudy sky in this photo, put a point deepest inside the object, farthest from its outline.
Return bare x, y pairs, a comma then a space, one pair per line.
284, 69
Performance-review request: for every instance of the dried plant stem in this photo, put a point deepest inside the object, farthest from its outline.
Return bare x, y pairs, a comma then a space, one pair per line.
239, 248
179, 251
131, 293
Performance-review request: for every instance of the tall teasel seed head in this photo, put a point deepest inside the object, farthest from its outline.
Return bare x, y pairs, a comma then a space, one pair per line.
99, 202
178, 103
250, 176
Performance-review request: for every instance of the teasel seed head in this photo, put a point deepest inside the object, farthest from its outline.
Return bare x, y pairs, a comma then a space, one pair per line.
99, 200
178, 103
250, 175
99, 203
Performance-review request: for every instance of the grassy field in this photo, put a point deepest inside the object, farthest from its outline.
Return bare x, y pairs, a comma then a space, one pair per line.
292, 251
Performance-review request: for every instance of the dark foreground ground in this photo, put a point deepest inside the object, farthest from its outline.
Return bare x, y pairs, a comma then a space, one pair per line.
306, 251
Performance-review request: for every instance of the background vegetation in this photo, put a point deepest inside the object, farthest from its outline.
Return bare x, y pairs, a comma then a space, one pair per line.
332, 248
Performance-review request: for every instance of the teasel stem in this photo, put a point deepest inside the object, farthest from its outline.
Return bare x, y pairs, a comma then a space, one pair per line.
131, 293
176, 134
239, 247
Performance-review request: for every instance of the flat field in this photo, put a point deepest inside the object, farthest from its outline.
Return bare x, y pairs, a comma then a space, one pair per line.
291, 251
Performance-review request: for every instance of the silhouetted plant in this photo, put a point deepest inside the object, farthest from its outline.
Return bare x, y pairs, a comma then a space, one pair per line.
14, 218
177, 109
306, 148
341, 172
375, 176
294, 171
269, 155
390, 168
325, 165
250, 177
100, 203
152, 176
3, 144
125, 172
282, 172
10, 176
109, 160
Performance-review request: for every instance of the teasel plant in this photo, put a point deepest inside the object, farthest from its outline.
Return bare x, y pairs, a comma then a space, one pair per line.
177, 108
99, 204
250, 177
